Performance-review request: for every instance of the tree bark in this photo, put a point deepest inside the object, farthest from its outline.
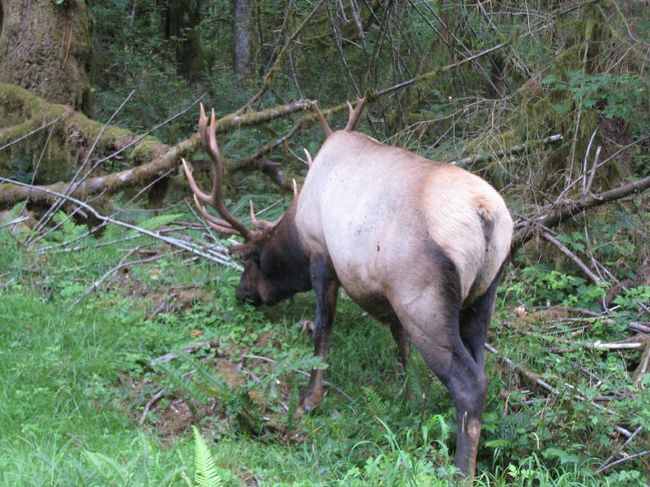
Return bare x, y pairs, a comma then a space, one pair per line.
182, 19
46, 48
241, 36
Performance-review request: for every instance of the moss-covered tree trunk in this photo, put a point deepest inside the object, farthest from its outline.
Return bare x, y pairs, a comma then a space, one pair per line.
241, 36
46, 48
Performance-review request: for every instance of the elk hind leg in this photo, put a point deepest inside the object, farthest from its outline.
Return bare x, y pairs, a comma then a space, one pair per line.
433, 324
474, 322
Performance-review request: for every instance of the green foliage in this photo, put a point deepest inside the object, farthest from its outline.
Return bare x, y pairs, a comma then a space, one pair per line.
550, 286
205, 468
89, 366
614, 95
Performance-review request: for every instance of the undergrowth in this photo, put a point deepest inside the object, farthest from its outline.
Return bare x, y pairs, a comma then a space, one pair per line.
104, 387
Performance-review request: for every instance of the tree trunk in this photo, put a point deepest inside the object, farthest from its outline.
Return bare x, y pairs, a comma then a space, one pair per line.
241, 35
46, 48
182, 19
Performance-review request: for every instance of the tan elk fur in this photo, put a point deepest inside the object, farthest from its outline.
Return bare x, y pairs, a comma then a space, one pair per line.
371, 207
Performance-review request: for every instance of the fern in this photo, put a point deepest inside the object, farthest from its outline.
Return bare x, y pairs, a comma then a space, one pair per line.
205, 474
158, 221
377, 407
178, 379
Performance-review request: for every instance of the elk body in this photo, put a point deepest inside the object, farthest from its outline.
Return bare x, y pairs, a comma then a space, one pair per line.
416, 243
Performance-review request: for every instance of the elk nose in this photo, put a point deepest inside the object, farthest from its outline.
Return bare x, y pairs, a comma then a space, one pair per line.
242, 294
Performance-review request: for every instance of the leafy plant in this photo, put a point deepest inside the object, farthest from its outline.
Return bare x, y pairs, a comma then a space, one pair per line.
205, 468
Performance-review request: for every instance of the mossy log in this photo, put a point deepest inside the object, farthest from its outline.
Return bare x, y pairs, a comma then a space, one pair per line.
73, 134
55, 152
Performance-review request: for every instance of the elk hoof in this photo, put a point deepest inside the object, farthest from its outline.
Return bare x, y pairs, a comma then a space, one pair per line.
307, 405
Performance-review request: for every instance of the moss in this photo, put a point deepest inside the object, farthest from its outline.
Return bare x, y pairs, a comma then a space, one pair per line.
144, 151
48, 48
71, 138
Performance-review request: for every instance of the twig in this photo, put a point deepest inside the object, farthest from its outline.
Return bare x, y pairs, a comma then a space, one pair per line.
573, 309
268, 76
121, 265
616, 346
513, 151
576, 260
638, 326
182, 244
43, 150
642, 369
605, 465
434, 73
623, 460
556, 214
44, 126
15, 221
191, 348
534, 378
74, 184
150, 403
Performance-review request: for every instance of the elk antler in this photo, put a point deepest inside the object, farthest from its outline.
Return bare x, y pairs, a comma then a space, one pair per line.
229, 224
310, 161
323, 122
354, 113
353, 116
259, 224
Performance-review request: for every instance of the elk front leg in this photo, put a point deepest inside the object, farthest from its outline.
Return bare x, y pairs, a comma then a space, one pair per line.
325, 286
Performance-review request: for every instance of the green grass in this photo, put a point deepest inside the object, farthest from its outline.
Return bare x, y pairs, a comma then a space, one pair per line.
76, 377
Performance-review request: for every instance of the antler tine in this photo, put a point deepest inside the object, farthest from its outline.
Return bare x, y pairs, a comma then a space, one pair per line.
208, 135
260, 224
295, 187
203, 122
309, 159
197, 193
323, 122
354, 114
219, 225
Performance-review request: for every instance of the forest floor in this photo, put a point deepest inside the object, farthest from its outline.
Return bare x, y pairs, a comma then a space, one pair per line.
113, 346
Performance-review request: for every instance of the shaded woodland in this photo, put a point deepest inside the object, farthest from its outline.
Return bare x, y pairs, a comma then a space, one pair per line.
547, 100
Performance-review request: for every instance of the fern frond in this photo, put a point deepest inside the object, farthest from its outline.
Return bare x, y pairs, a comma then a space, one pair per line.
181, 382
205, 474
377, 407
158, 221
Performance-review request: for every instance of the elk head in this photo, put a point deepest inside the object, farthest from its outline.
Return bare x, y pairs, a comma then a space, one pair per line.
275, 265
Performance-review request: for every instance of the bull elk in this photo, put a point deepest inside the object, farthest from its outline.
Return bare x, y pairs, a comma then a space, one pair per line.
418, 244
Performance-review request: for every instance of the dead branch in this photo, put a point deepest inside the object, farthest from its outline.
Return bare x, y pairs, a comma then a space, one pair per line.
642, 369
554, 215
625, 459
563, 248
534, 379
606, 464
122, 264
515, 150
218, 255
150, 403
191, 348
11, 192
